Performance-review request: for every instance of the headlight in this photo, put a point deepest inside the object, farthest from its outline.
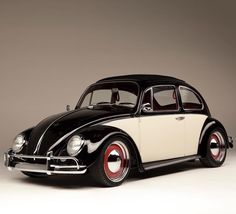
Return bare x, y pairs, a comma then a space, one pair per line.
74, 145
18, 143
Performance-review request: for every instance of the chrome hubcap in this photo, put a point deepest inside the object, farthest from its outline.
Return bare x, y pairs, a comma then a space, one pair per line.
217, 146
116, 161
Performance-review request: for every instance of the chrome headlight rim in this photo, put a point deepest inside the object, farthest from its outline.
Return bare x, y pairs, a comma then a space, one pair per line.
75, 145
18, 143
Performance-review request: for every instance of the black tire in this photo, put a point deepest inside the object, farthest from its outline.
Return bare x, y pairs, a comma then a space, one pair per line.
100, 170
216, 148
35, 174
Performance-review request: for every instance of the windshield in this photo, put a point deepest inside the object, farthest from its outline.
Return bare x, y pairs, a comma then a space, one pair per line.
116, 94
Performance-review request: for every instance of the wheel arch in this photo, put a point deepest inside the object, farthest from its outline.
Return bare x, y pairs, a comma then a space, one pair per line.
96, 136
209, 125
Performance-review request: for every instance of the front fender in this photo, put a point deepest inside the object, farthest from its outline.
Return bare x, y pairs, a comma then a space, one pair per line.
96, 136
26, 133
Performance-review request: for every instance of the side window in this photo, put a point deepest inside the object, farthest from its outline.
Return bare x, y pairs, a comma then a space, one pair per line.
101, 96
86, 101
190, 100
164, 98
126, 98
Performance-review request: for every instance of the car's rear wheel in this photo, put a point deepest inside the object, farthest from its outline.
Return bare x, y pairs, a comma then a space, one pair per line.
216, 149
113, 164
35, 174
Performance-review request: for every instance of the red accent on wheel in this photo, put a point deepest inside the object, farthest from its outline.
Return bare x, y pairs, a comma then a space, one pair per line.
215, 137
109, 173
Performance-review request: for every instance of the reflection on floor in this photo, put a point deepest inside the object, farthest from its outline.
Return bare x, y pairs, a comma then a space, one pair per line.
185, 188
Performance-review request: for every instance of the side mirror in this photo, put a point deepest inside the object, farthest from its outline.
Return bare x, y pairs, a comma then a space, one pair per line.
67, 107
146, 107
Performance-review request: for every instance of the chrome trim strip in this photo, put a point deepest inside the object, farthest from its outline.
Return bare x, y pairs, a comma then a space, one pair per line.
67, 167
20, 156
21, 167
41, 138
43, 168
152, 96
158, 164
204, 131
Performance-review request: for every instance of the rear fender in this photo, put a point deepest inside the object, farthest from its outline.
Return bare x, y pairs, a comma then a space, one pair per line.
209, 125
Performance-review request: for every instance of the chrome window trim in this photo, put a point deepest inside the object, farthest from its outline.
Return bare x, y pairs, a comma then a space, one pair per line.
161, 111
197, 95
152, 95
145, 91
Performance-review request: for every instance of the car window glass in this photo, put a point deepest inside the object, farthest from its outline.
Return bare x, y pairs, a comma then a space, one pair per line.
164, 98
101, 96
190, 99
86, 101
114, 94
126, 98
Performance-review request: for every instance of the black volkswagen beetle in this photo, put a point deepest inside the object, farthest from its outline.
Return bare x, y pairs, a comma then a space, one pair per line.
143, 121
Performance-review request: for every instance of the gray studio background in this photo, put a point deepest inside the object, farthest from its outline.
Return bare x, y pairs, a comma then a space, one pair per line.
50, 51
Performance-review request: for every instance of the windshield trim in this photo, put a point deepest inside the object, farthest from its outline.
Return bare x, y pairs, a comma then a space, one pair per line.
81, 99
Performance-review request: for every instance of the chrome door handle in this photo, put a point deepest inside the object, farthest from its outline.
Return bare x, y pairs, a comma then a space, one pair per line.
180, 118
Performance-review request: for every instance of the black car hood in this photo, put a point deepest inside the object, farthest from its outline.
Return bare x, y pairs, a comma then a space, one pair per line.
51, 129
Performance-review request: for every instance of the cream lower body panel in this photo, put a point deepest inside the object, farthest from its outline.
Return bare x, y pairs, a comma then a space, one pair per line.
157, 137
163, 137
193, 124
130, 126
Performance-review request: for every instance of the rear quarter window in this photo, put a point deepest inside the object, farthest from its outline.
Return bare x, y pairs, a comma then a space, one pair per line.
190, 100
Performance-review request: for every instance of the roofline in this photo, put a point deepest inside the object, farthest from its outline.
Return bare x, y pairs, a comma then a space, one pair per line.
143, 78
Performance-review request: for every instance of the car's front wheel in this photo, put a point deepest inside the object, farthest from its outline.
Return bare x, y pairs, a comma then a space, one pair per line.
113, 164
216, 149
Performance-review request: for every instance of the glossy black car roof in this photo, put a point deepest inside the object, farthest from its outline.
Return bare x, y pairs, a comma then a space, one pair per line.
144, 79
148, 80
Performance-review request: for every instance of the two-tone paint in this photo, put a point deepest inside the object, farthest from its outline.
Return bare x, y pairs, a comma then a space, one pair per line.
154, 137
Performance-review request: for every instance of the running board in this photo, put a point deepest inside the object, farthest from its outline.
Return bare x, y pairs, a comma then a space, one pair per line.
157, 164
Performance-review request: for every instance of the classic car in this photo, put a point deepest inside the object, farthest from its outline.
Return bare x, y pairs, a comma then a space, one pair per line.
119, 123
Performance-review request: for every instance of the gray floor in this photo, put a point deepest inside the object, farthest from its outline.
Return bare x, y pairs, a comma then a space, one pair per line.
184, 188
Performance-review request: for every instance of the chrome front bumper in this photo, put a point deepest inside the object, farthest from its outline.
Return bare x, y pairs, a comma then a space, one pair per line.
28, 163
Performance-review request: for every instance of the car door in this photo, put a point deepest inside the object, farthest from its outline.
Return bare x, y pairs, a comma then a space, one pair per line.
162, 126
194, 118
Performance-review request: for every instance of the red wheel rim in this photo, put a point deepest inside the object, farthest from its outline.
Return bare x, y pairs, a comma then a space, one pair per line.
116, 161
217, 146
214, 138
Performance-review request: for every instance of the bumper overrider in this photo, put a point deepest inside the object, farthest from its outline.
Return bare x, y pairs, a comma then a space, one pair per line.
230, 141
48, 164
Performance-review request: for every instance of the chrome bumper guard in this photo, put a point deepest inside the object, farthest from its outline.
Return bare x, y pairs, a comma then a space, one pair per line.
230, 141
20, 162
